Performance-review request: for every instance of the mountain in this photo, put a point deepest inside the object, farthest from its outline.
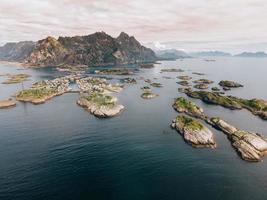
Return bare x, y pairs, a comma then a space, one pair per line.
171, 54
209, 54
92, 50
16, 51
258, 54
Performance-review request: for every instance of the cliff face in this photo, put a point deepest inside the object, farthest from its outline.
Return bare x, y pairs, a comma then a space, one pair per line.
16, 51
92, 50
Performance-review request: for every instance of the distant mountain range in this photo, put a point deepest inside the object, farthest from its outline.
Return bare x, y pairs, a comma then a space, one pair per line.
209, 54
259, 54
92, 50
171, 54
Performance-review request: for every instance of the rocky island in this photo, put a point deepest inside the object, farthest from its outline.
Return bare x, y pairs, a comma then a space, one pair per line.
16, 78
184, 78
255, 106
147, 94
183, 105
100, 105
251, 146
230, 84
194, 133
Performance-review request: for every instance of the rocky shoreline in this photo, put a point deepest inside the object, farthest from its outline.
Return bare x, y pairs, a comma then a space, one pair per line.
250, 146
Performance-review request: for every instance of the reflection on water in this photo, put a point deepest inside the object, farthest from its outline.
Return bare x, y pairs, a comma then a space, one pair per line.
57, 150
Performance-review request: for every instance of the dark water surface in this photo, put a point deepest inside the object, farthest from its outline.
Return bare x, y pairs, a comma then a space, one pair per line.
59, 151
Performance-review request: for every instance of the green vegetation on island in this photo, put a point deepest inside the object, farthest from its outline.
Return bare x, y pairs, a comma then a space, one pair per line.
256, 106
183, 105
16, 78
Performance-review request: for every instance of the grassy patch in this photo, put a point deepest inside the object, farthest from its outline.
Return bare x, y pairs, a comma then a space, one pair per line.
189, 123
186, 104
16, 78
34, 93
100, 99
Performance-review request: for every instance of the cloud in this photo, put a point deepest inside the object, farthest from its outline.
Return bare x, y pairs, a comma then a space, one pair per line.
157, 20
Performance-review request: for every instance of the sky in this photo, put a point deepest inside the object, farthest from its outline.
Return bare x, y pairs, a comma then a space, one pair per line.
191, 25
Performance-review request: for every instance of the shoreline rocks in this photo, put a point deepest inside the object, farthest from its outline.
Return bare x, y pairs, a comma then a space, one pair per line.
194, 133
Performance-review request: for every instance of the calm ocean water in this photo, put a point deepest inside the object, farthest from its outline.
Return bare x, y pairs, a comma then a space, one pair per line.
59, 151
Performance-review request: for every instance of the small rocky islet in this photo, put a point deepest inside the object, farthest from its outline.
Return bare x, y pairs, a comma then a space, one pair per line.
184, 78
147, 94
16, 78
118, 71
230, 84
7, 103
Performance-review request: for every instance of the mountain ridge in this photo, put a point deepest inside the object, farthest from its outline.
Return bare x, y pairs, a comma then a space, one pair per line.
96, 49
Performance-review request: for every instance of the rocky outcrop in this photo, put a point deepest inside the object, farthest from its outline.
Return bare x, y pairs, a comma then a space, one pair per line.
250, 146
184, 78
203, 81
183, 83
91, 50
188, 107
201, 86
230, 84
194, 133
148, 95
